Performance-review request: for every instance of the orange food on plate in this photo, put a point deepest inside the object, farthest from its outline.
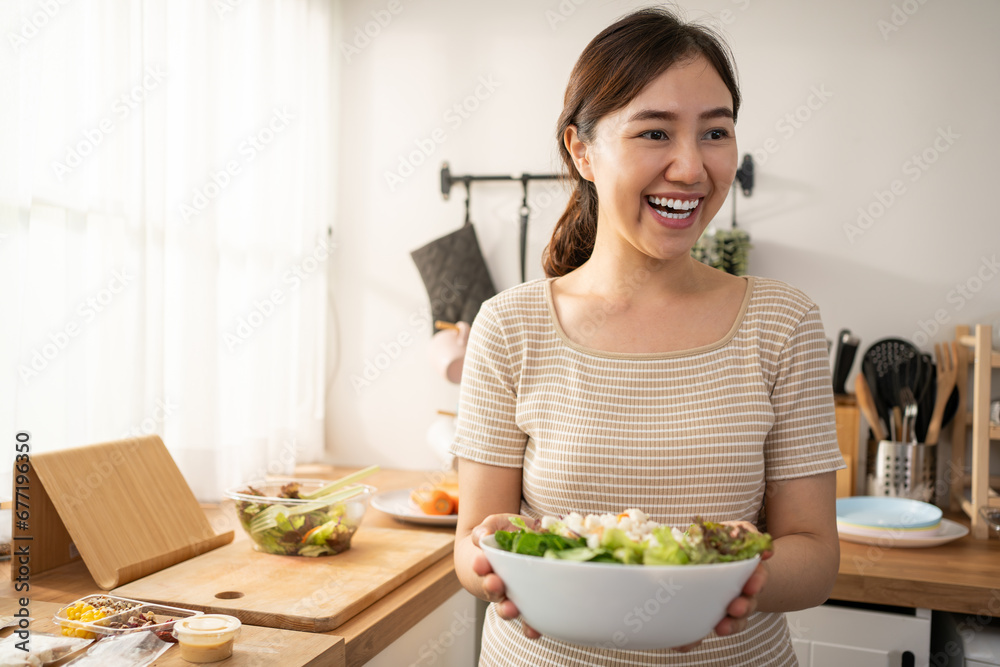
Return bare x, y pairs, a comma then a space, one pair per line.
437, 500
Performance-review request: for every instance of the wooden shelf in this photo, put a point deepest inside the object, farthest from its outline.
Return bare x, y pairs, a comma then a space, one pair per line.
976, 357
970, 341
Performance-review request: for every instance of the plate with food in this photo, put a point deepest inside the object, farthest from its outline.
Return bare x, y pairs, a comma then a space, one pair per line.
431, 504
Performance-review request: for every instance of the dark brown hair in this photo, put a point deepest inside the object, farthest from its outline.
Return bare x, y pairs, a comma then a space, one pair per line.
617, 64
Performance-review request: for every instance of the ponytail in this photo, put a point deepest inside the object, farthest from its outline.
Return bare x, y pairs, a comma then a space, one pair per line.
573, 237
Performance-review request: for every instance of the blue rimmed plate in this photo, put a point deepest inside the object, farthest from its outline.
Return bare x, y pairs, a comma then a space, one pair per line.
948, 531
887, 512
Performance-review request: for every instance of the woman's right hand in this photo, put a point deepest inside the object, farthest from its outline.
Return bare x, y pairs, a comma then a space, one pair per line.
491, 586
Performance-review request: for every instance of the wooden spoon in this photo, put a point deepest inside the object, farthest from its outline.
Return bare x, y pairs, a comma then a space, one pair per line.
947, 368
867, 405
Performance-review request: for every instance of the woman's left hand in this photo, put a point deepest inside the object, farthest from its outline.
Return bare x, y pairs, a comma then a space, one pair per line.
740, 608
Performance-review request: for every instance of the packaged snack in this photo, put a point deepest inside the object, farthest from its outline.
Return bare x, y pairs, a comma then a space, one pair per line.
136, 649
42, 649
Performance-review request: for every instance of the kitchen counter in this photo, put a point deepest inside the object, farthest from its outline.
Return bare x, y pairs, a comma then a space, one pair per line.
962, 576
355, 642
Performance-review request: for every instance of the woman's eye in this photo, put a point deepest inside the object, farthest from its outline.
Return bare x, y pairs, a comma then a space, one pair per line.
655, 135
718, 134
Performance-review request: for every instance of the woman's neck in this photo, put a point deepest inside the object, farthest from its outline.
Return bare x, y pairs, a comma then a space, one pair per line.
620, 275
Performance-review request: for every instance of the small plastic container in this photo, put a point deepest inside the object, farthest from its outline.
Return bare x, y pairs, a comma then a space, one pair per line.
120, 616
207, 637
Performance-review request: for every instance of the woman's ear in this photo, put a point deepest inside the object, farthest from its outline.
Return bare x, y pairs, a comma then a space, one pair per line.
579, 151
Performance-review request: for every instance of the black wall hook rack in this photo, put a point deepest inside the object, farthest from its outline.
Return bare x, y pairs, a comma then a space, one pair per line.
745, 178
448, 180
745, 175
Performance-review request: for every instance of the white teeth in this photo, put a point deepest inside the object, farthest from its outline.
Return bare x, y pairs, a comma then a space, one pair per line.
676, 204
673, 216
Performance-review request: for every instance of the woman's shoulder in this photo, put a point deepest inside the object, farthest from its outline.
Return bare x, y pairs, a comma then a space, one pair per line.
526, 297
770, 293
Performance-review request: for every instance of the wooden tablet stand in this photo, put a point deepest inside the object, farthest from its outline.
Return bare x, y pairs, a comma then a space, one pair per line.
122, 506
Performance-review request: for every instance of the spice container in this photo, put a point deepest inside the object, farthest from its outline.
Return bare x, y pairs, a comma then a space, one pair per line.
207, 637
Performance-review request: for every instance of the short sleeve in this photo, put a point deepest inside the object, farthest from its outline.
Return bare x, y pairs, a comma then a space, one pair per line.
487, 430
803, 438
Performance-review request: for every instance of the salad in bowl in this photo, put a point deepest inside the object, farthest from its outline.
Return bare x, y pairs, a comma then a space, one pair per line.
622, 580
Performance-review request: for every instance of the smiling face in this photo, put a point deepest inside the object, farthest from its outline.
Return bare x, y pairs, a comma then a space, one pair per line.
663, 164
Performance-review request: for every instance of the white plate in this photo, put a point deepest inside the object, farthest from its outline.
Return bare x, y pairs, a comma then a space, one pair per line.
865, 531
399, 505
949, 531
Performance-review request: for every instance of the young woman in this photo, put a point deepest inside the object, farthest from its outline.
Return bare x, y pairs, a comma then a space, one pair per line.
635, 376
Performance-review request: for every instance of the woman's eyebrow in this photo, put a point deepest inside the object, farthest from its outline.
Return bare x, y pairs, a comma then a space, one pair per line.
658, 114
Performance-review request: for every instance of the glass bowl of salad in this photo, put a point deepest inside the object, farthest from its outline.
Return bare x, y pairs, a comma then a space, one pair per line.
623, 581
301, 517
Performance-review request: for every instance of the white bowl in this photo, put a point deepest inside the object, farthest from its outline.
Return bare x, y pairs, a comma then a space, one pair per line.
888, 512
609, 605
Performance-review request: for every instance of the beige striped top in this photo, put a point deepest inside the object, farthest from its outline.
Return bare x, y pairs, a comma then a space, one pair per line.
681, 434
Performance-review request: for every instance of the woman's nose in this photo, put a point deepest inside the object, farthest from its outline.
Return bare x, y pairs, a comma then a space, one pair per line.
686, 164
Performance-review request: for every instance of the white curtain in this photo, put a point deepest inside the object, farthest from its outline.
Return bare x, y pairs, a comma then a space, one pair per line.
165, 227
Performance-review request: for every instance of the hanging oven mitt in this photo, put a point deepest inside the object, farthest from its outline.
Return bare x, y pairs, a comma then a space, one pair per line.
455, 275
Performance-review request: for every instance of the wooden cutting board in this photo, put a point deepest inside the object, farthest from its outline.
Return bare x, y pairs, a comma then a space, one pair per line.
294, 592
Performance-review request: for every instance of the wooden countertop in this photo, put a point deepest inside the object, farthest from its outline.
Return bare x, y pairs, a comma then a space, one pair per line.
355, 642
962, 576
255, 645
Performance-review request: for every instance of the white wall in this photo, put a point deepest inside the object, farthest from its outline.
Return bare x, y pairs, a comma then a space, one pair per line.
884, 86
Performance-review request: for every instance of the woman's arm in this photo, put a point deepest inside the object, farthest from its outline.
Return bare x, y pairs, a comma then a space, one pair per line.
488, 495
802, 519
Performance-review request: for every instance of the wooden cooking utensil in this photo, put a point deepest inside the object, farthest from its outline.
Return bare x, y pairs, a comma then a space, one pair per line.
867, 404
946, 357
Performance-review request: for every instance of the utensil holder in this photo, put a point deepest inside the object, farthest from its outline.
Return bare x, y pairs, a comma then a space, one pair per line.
902, 470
